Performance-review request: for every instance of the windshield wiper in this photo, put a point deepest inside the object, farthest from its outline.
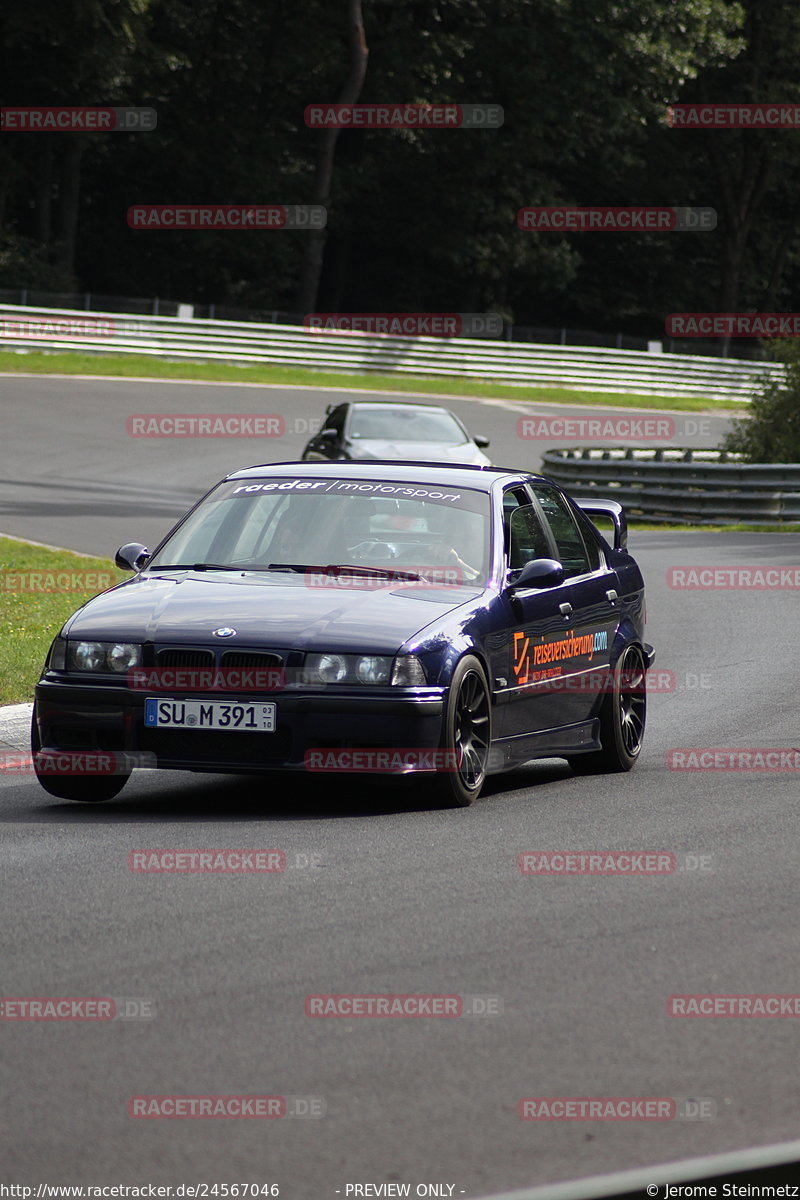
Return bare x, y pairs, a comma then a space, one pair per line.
199, 567
352, 568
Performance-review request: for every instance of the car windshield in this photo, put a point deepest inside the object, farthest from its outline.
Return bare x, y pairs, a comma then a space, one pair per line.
296, 523
406, 424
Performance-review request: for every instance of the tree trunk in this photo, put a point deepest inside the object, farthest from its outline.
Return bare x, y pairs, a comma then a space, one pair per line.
44, 191
323, 170
70, 193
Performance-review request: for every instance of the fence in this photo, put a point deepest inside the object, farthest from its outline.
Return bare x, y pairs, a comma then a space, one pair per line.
701, 487
597, 369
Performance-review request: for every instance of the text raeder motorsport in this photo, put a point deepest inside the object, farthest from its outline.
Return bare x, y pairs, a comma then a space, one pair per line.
348, 485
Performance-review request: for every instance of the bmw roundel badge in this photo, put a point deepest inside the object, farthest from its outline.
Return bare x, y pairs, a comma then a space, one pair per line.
224, 632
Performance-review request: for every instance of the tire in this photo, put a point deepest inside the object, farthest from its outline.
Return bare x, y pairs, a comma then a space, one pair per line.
467, 734
87, 789
623, 716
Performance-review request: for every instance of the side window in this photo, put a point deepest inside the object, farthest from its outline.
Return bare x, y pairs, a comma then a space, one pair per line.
569, 540
527, 537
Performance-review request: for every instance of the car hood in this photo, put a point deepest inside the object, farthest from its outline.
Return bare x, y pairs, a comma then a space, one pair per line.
267, 610
396, 448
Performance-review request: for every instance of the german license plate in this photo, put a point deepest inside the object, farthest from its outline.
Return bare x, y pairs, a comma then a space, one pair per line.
215, 714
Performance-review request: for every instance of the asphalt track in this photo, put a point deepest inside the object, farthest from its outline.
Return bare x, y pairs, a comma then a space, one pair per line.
70, 474
404, 898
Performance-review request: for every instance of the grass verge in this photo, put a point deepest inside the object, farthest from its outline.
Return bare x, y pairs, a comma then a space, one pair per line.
39, 588
139, 366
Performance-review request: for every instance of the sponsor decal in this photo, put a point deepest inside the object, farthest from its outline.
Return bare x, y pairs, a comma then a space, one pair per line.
355, 487
569, 646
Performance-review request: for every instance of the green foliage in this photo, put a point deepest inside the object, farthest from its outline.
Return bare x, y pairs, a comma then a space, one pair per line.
771, 431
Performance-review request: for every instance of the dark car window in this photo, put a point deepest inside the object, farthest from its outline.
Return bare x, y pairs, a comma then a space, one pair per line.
572, 551
405, 423
527, 537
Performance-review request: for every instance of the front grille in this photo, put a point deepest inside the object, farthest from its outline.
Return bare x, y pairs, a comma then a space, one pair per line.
250, 658
180, 656
240, 750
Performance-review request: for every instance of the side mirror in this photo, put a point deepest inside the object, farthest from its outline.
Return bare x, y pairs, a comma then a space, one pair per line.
132, 556
539, 573
481, 441
328, 435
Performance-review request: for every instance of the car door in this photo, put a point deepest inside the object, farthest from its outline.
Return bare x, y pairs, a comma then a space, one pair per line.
594, 597
539, 624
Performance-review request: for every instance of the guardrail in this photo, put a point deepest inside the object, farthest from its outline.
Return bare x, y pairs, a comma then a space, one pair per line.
597, 369
701, 487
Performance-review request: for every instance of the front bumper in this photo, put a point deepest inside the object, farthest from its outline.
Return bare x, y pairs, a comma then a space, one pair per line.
79, 717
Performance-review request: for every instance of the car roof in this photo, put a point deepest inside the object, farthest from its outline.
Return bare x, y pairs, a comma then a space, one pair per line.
457, 475
389, 404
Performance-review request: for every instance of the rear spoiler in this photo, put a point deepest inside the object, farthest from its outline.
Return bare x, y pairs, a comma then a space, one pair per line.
611, 509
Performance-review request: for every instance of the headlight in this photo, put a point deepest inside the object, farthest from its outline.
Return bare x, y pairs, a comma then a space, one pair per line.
331, 668
373, 669
408, 671
348, 668
117, 657
123, 656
